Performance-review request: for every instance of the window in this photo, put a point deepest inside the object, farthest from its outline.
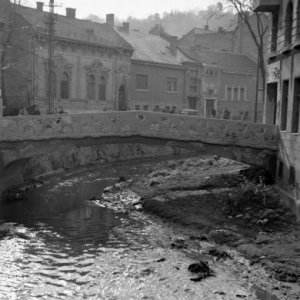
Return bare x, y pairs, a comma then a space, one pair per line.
211, 72
235, 94
156, 108
274, 31
65, 86
193, 89
242, 94
229, 93
167, 109
284, 104
171, 84
288, 24
194, 73
145, 107
102, 89
193, 85
296, 107
137, 107
91, 87
141, 82
292, 177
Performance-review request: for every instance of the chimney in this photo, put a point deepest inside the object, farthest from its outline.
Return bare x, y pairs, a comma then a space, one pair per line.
110, 20
40, 6
71, 12
125, 27
173, 45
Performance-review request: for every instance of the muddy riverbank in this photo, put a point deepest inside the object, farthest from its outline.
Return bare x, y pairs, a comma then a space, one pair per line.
209, 200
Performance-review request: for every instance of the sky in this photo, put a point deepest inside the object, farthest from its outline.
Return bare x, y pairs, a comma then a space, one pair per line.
122, 9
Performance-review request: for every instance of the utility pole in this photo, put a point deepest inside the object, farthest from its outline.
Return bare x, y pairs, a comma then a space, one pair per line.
51, 29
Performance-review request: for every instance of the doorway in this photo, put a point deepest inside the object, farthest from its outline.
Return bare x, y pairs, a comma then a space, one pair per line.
210, 108
193, 102
296, 107
284, 104
271, 109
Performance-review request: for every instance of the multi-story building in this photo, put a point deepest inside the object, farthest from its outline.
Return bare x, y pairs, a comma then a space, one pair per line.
226, 84
157, 75
282, 106
90, 69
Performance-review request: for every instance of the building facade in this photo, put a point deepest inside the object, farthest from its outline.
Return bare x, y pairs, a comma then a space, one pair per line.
221, 84
157, 75
282, 106
90, 69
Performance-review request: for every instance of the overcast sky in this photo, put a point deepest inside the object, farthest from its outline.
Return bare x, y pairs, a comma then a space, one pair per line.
122, 9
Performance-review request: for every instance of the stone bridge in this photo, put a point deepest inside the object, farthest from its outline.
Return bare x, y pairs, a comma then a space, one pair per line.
37, 145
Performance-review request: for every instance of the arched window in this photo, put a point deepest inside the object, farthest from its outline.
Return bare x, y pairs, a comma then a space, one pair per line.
65, 86
91, 87
102, 88
288, 24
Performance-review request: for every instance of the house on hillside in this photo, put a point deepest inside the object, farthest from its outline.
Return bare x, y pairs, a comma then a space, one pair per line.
282, 105
157, 75
90, 68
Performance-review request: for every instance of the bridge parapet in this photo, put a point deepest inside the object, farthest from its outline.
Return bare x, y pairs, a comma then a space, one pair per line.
139, 123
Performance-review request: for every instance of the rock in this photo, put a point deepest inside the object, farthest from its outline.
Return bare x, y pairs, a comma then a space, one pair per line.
161, 260
179, 244
154, 182
219, 254
138, 207
198, 238
286, 276
223, 236
122, 179
147, 272
109, 189
250, 250
199, 267
202, 270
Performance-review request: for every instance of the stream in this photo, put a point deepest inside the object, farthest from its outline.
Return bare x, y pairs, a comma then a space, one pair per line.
65, 247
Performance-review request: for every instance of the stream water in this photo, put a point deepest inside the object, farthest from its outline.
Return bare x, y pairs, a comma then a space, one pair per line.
65, 247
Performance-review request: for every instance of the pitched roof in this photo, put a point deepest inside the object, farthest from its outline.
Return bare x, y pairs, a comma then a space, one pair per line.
227, 61
75, 29
149, 47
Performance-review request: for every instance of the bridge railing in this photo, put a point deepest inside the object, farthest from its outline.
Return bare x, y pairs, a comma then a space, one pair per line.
139, 123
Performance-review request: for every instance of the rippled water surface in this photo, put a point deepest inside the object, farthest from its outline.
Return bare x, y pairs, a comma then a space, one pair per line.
64, 247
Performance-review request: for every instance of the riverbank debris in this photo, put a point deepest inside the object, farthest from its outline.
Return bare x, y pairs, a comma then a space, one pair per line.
201, 269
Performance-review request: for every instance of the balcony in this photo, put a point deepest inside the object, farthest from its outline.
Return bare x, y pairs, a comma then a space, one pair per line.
266, 5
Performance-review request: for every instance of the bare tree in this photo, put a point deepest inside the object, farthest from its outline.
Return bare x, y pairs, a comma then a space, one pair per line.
257, 29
